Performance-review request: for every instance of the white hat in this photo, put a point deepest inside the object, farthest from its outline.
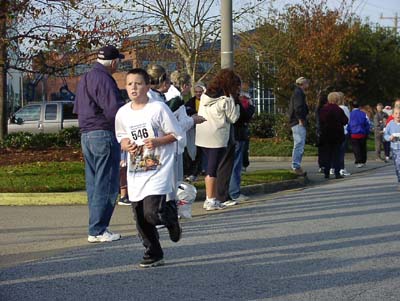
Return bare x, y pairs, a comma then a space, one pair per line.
301, 80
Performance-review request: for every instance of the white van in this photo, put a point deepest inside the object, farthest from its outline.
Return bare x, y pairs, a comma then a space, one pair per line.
43, 117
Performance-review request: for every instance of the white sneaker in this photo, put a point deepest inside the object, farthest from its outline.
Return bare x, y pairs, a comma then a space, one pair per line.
214, 205
344, 172
359, 165
191, 178
205, 204
230, 203
107, 236
332, 171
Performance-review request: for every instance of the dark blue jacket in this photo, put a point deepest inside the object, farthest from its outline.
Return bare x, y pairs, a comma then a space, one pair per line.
298, 108
359, 123
97, 100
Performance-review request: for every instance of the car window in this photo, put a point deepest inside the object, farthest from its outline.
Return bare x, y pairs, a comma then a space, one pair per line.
67, 111
51, 112
29, 113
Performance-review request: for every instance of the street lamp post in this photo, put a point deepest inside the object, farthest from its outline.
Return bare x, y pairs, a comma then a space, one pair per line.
226, 34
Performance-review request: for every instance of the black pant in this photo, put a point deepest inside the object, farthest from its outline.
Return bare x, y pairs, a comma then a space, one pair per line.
224, 173
330, 157
360, 150
192, 167
151, 211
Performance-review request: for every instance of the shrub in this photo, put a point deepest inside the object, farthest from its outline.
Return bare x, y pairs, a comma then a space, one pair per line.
24, 140
262, 125
266, 125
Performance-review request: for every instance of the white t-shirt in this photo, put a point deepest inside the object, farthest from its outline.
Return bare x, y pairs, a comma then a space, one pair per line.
150, 172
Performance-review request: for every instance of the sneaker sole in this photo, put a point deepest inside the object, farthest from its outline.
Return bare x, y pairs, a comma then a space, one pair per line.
125, 204
95, 240
215, 208
152, 265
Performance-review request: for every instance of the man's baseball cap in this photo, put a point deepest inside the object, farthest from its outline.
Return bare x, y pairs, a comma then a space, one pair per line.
109, 52
301, 80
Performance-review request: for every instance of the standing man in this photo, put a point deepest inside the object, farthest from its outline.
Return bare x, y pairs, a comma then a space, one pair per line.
298, 111
97, 102
380, 118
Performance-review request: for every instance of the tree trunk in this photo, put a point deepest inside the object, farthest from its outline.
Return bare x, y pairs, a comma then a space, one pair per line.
3, 70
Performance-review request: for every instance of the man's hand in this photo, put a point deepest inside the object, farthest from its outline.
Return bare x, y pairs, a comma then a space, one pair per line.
198, 119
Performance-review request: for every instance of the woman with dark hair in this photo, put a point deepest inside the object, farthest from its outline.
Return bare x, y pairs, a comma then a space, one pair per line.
219, 106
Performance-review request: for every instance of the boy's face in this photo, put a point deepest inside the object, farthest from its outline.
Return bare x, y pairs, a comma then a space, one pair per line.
136, 87
396, 115
379, 108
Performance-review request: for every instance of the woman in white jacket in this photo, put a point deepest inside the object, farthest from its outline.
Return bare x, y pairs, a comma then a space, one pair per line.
219, 106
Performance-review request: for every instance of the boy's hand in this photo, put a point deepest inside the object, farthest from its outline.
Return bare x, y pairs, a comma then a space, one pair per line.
151, 143
128, 146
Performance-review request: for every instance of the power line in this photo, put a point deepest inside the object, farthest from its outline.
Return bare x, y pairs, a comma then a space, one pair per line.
395, 19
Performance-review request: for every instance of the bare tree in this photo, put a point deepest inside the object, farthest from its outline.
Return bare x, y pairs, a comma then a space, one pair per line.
32, 28
194, 26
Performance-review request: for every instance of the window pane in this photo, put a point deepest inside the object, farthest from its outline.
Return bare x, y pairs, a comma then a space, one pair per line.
67, 111
51, 112
29, 113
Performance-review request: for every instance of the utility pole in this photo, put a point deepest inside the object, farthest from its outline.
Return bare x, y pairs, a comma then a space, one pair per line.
395, 19
226, 34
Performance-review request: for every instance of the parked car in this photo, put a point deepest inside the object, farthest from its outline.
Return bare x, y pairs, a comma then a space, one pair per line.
43, 117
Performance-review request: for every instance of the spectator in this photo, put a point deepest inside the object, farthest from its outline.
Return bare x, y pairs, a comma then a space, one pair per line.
193, 156
322, 100
332, 120
343, 147
97, 101
123, 184
241, 130
146, 129
379, 125
219, 106
392, 134
298, 111
358, 128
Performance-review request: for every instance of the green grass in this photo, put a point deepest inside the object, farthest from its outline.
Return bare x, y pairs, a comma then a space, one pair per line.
43, 177
276, 147
69, 177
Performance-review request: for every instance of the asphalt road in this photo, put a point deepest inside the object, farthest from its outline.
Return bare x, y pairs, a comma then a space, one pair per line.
338, 240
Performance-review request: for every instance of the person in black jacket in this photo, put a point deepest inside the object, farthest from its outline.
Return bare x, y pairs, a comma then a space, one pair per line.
241, 130
298, 111
193, 155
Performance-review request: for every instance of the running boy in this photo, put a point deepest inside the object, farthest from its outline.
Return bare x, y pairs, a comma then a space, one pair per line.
146, 129
392, 134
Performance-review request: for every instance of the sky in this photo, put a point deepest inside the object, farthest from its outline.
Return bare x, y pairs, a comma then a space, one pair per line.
365, 8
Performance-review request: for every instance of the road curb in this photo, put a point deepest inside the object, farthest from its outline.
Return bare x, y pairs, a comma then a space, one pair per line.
263, 188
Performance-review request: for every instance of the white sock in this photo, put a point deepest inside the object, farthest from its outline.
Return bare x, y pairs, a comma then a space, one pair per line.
210, 199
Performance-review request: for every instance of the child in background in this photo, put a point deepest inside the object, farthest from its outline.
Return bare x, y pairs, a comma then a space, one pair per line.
392, 134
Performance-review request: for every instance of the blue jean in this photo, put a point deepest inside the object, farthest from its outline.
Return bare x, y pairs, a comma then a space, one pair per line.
236, 177
299, 140
396, 161
102, 154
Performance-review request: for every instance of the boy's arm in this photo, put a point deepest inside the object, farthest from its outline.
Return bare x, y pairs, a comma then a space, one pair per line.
387, 133
152, 143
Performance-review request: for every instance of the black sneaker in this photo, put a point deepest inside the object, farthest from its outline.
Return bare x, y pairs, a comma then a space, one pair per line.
151, 262
175, 232
124, 201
